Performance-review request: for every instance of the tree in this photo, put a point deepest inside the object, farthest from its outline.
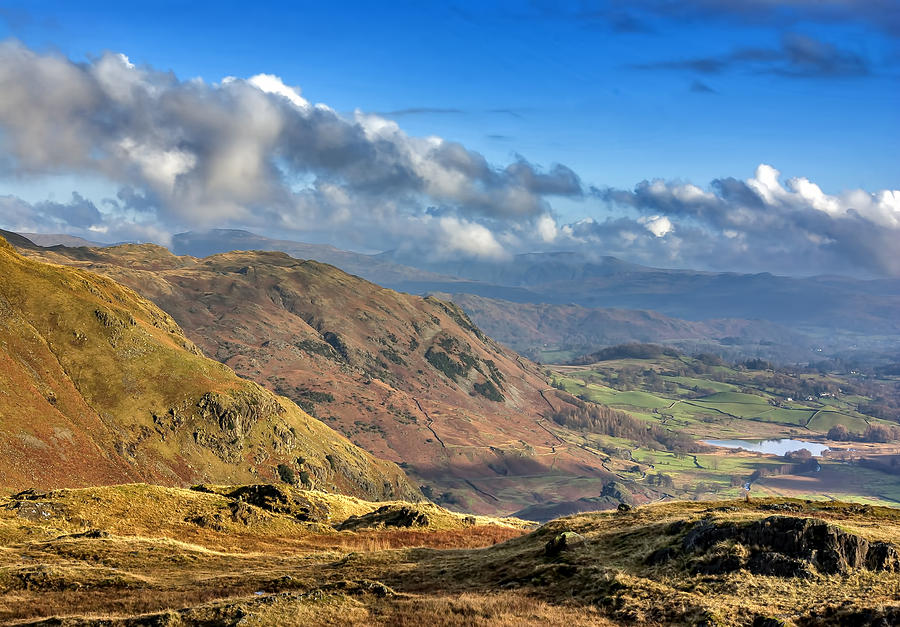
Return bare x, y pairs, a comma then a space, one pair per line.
838, 433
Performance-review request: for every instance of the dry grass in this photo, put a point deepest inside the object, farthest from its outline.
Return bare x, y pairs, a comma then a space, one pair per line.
277, 571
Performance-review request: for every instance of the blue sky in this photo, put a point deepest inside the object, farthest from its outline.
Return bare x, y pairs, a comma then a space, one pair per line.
686, 92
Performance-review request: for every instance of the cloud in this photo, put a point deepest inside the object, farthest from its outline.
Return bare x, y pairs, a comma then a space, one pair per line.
797, 57
254, 153
658, 225
258, 154
699, 87
761, 223
881, 15
656, 16
79, 213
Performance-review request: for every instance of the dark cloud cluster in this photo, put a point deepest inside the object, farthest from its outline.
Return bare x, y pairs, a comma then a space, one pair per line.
797, 57
79, 213
649, 16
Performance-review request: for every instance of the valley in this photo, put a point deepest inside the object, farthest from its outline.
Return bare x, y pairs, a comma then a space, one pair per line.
479, 428
708, 399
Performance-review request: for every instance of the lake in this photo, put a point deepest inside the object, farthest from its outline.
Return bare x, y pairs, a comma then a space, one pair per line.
771, 447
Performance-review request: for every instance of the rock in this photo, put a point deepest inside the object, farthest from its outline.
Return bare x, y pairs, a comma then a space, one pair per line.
361, 586
883, 556
777, 565
624, 507
30, 495
565, 541
280, 500
35, 510
768, 621
387, 516
243, 513
781, 507
90, 533
787, 546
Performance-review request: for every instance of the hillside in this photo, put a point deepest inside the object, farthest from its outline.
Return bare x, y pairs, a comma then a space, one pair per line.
144, 555
371, 267
409, 379
99, 386
555, 332
830, 313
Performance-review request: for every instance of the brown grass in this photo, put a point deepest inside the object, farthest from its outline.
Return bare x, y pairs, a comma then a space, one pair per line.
278, 572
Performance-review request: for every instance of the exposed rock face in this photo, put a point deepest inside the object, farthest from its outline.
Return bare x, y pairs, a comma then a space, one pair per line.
387, 516
274, 499
784, 546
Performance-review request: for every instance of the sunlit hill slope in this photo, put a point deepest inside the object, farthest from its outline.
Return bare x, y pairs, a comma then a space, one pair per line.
98, 386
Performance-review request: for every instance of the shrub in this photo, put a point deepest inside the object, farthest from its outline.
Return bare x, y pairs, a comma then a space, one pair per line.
838, 433
287, 474
489, 391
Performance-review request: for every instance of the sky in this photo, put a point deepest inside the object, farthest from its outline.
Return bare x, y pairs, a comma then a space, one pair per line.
747, 135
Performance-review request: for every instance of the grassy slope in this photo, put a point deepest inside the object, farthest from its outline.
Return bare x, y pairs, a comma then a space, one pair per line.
98, 385
147, 553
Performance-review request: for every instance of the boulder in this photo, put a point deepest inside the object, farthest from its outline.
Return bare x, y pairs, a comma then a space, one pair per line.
565, 541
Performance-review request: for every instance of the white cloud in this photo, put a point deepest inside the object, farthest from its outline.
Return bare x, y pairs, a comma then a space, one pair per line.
761, 223
546, 228
468, 239
271, 84
658, 225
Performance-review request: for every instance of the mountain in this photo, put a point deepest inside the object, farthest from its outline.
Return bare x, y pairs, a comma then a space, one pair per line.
867, 306
830, 313
543, 331
59, 239
528, 269
371, 267
409, 379
99, 386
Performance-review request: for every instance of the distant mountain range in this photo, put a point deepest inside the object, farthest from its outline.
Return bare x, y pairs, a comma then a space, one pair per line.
776, 317
548, 332
803, 318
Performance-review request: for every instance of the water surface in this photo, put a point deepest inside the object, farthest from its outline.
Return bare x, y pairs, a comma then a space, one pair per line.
771, 447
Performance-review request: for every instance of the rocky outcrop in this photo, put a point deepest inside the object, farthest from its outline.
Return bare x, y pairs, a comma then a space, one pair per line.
274, 499
783, 546
387, 516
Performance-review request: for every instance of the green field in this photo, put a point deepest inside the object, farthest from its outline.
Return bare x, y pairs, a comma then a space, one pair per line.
726, 403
